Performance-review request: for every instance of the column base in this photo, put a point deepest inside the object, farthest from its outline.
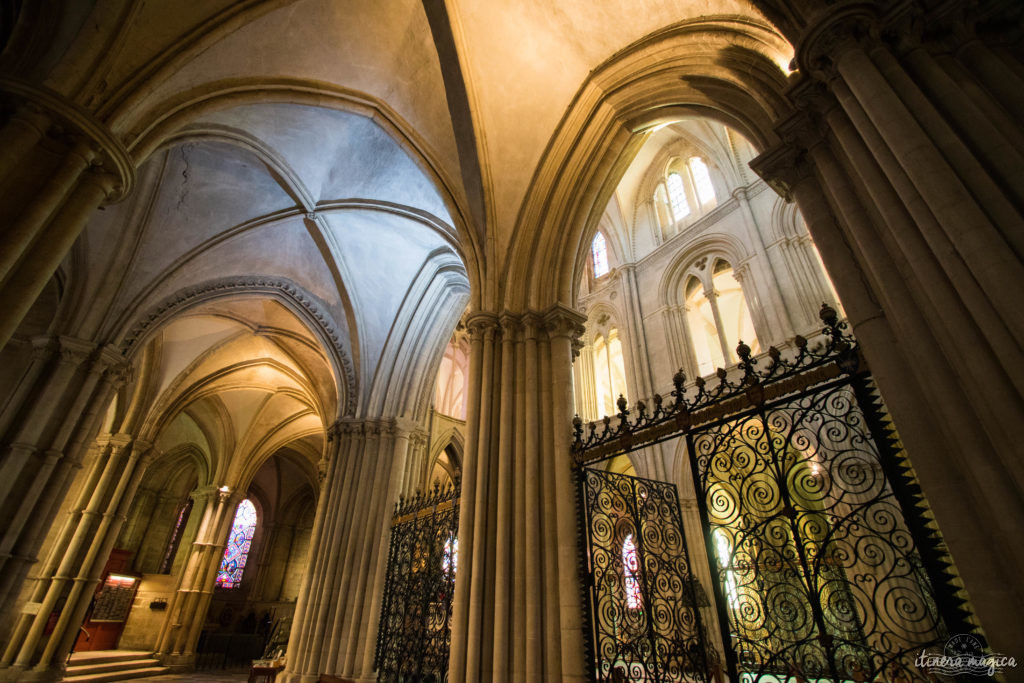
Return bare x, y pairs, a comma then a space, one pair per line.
177, 663
287, 677
17, 673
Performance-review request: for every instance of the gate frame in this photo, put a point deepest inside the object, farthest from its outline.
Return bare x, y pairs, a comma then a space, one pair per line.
410, 511
589, 600
839, 361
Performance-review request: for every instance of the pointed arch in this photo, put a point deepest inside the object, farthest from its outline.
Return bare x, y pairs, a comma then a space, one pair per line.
729, 73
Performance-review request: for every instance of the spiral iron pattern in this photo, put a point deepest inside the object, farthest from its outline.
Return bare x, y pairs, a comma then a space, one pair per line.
662, 637
820, 574
414, 635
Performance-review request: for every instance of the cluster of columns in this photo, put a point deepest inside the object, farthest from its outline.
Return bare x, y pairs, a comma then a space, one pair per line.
46, 427
906, 157
215, 509
334, 629
517, 609
65, 583
66, 165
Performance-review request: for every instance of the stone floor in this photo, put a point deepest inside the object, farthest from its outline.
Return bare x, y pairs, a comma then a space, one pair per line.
205, 677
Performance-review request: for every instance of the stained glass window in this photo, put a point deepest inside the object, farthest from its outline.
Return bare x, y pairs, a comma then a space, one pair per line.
172, 546
450, 556
630, 567
599, 250
239, 543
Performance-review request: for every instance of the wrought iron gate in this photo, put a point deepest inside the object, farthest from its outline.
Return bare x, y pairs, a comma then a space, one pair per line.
644, 603
414, 635
828, 566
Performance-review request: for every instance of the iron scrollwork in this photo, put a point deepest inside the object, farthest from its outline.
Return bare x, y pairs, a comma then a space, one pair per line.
645, 604
414, 636
826, 563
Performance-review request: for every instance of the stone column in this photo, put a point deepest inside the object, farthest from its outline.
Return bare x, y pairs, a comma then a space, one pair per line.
55, 199
29, 275
29, 224
643, 382
334, 630
83, 548
187, 611
46, 429
881, 179
20, 135
774, 298
520, 621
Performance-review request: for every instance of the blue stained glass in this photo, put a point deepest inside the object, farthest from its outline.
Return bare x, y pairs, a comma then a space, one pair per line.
239, 542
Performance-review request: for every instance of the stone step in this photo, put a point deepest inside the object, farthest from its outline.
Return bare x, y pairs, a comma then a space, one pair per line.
104, 656
75, 669
124, 675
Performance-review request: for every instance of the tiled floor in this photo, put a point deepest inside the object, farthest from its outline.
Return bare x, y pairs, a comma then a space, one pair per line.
205, 677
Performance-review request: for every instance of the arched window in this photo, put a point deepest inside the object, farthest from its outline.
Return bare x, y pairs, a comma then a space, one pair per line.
677, 196
609, 371
719, 318
702, 182
599, 252
689, 188
450, 390
172, 545
631, 569
239, 543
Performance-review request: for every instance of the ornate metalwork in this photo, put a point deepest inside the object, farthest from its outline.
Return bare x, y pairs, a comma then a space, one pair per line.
828, 565
644, 603
836, 355
819, 573
414, 635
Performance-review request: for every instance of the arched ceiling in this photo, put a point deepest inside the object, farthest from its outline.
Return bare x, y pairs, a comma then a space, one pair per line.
237, 380
525, 61
323, 203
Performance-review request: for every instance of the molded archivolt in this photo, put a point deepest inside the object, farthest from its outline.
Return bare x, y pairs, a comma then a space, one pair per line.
725, 68
299, 303
714, 247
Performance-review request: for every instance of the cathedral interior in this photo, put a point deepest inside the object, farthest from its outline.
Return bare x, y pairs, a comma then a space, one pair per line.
314, 311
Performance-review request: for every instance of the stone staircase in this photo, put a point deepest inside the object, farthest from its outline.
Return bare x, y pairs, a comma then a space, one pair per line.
100, 666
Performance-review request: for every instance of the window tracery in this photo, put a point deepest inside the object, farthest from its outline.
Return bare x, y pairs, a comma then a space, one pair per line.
685, 193
239, 543
718, 317
609, 371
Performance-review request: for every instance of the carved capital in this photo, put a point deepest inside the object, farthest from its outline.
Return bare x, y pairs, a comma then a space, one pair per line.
782, 167
533, 324
74, 351
562, 321
43, 348
511, 326
482, 326
836, 31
